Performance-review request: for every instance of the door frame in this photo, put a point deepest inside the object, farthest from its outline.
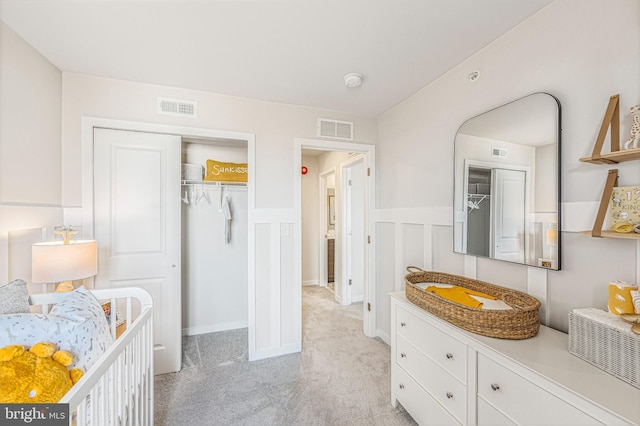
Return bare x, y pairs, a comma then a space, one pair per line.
89, 123
323, 218
369, 318
345, 213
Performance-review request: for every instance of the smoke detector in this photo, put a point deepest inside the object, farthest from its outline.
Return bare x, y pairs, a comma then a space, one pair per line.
473, 75
352, 80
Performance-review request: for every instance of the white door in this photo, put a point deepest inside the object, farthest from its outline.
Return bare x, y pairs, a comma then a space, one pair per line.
137, 226
508, 199
354, 232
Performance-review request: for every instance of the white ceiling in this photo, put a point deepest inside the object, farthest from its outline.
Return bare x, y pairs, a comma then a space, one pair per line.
291, 51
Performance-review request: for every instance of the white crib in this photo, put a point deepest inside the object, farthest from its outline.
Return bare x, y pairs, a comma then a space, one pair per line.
118, 388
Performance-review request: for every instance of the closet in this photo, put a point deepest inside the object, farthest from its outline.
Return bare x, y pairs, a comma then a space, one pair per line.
214, 270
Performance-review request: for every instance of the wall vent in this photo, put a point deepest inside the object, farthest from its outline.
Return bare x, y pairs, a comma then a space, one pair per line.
178, 107
498, 152
335, 129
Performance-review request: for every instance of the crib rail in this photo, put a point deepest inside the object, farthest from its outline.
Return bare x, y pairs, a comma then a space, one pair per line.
118, 388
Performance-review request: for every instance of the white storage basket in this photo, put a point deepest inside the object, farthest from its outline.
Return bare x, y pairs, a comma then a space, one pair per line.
192, 171
606, 341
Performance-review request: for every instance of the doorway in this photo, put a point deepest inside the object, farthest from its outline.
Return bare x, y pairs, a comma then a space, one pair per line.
357, 162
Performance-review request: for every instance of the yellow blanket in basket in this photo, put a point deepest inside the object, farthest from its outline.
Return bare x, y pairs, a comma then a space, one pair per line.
459, 295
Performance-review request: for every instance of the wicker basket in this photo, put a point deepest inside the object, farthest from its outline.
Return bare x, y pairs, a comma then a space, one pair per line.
520, 322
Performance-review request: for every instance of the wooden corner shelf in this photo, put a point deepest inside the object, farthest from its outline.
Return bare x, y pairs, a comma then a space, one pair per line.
611, 119
612, 234
614, 157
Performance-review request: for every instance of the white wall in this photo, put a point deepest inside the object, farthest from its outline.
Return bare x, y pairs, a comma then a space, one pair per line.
582, 52
30, 147
310, 221
275, 126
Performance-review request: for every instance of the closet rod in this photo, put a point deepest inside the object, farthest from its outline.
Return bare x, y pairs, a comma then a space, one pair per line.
215, 183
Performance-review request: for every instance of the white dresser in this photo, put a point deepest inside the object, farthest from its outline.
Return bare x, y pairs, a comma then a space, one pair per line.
443, 375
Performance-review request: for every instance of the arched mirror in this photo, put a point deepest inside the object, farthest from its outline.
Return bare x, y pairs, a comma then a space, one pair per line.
507, 183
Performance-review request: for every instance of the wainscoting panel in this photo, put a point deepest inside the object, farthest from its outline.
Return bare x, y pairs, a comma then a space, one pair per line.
385, 277
276, 290
444, 259
413, 244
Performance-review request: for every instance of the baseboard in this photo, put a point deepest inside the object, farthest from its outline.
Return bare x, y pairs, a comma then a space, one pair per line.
357, 299
310, 282
282, 350
213, 328
384, 336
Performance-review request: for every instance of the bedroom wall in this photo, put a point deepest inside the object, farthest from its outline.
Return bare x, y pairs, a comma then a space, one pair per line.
274, 125
30, 146
582, 52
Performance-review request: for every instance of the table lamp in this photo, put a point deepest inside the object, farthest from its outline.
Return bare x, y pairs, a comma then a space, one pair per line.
63, 262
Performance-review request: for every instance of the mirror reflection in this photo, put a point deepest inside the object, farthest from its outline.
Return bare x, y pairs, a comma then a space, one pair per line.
506, 188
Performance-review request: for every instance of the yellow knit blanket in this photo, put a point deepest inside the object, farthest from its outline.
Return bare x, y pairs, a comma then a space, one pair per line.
459, 295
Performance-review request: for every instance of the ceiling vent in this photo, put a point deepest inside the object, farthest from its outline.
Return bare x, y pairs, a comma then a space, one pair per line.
335, 129
178, 107
498, 152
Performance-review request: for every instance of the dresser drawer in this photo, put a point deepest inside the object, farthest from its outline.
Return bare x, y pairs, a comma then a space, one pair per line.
523, 401
424, 409
449, 353
442, 386
490, 416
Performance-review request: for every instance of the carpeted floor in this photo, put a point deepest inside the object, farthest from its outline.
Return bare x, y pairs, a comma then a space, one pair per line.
340, 378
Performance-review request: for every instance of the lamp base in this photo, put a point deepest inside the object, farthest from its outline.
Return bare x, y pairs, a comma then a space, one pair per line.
64, 286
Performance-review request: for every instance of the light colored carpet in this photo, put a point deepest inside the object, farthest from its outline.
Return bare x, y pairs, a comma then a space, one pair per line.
340, 378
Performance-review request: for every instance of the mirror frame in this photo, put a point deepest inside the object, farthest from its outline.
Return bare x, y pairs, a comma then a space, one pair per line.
559, 182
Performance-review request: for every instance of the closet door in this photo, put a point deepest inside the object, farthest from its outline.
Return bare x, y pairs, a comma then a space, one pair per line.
137, 226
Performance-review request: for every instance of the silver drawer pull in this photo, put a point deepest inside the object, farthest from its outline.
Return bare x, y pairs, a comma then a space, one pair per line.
449, 395
403, 324
401, 386
495, 386
403, 355
449, 355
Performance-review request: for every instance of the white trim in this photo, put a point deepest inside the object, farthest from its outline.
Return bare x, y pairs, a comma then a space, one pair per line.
369, 320
89, 123
537, 287
214, 328
274, 282
424, 215
384, 336
311, 283
276, 351
470, 266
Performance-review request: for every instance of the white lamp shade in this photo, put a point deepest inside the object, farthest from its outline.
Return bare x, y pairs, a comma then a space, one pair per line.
54, 262
552, 237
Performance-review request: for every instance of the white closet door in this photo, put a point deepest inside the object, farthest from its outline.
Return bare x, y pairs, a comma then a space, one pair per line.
137, 226
509, 214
